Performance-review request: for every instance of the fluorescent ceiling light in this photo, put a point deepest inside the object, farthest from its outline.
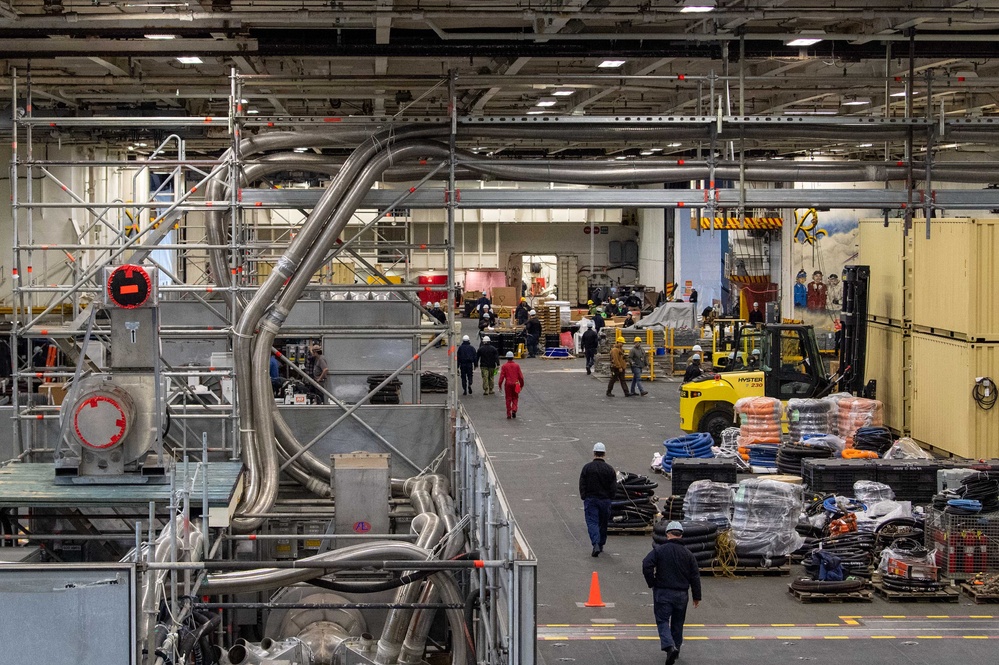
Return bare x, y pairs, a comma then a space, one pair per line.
565, 92
646, 153
658, 149
253, 111
672, 145
301, 150
621, 157
545, 102
902, 94
697, 9
536, 112
189, 60
865, 145
160, 36
804, 41
610, 64
859, 101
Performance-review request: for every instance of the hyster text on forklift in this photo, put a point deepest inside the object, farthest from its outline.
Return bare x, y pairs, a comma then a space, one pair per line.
781, 361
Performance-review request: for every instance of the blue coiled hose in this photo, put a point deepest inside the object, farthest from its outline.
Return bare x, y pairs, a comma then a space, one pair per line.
691, 445
763, 455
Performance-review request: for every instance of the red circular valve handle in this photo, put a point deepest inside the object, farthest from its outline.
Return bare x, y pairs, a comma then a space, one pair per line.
129, 286
120, 422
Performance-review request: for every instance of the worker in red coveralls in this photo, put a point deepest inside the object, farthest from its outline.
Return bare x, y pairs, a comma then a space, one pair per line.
513, 379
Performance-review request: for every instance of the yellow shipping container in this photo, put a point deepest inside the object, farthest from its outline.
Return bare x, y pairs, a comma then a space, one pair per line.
884, 365
944, 414
883, 249
954, 277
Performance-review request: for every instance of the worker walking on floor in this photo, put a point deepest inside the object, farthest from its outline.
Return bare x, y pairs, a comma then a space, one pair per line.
467, 359
670, 570
532, 333
639, 362
590, 342
597, 487
511, 380
488, 359
618, 365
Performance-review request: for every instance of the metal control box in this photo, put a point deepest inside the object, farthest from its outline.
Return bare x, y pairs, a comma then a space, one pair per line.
361, 491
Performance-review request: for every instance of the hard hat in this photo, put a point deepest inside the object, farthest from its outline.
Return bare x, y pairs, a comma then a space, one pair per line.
637, 339
756, 304
696, 356
523, 300
509, 354
613, 301
437, 304
589, 323
599, 447
485, 338
532, 312
674, 526
756, 352
696, 348
464, 338
485, 307
589, 302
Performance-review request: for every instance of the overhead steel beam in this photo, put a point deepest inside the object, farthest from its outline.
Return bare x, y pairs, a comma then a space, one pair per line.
68, 46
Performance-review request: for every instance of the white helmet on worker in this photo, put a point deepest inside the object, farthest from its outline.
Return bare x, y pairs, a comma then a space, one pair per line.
464, 338
599, 447
485, 338
532, 312
696, 356
696, 348
756, 304
674, 526
509, 355
485, 307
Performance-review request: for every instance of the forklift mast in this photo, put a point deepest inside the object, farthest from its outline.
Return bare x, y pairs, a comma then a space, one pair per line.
853, 341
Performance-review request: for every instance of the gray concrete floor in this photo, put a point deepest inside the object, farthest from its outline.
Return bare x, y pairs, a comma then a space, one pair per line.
751, 620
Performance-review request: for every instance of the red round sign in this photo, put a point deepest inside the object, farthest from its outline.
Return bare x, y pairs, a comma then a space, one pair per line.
362, 527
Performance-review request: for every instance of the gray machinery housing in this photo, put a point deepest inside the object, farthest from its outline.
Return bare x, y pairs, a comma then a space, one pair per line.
112, 420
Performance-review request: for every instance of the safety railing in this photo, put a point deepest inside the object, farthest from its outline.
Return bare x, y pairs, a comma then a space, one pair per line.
506, 632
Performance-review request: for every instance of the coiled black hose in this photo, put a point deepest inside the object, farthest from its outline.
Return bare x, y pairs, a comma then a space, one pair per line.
819, 586
634, 502
982, 487
790, 456
874, 439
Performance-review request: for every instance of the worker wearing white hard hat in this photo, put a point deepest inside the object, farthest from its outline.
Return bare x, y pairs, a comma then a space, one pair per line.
756, 316
597, 487
694, 368
487, 358
532, 334
589, 341
467, 360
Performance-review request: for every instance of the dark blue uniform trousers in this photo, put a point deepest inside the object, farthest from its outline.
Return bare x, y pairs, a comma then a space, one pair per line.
670, 607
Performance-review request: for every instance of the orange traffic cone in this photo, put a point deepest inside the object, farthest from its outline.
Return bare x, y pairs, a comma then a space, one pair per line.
595, 600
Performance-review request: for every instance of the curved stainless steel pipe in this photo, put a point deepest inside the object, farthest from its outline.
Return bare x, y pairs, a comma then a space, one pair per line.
263, 579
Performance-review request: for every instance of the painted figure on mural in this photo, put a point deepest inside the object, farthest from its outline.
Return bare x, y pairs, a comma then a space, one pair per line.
816, 296
800, 290
834, 301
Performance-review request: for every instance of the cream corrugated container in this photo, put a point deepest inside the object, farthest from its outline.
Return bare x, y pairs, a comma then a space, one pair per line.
944, 415
955, 274
883, 249
884, 365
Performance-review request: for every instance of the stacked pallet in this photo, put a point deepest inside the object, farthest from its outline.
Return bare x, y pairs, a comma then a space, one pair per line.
390, 393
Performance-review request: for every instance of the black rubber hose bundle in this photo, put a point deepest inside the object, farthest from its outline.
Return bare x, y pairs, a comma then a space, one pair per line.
982, 487
673, 508
873, 439
818, 586
790, 456
634, 502
808, 416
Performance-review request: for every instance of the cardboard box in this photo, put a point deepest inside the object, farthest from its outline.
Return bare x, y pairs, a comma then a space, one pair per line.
504, 296
912, 570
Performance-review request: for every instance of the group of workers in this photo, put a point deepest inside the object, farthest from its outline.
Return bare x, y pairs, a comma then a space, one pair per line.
670, 569
696, 368
486, 358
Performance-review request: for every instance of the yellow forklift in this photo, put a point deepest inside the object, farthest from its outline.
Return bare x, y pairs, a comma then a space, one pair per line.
788, 365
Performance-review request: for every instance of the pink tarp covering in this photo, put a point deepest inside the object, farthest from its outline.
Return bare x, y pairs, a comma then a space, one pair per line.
484, 280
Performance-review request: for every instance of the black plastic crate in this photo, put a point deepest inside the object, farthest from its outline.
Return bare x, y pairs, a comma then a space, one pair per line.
837, 476
688, 470
911, 480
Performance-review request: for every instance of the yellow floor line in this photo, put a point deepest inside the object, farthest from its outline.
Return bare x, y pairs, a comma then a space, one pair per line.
788, 637
835, 637
975, 637
602, 637
742, 637
980, 616
693, 637
782, 625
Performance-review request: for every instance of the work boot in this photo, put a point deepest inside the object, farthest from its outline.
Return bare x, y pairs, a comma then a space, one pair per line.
610, 394
596, 551
587, 370
644, 393
671, 656
515, 414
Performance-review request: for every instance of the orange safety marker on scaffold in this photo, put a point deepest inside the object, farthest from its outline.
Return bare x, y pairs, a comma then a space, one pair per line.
594, 600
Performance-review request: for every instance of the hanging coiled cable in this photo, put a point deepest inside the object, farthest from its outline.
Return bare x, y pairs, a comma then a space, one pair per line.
874, 439
984, 393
